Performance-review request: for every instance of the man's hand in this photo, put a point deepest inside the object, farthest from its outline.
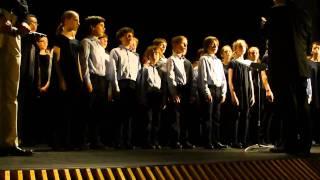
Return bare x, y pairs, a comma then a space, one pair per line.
23, 28
176, 99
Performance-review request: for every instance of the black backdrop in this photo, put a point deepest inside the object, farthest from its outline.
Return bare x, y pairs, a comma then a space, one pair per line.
226, 19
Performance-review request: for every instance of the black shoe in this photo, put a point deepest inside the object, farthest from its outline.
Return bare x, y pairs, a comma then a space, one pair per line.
177, 145
209, 146
150, 146
98, 146
130, 147
237, 145
277, 150
188, 145
219, 145
158, 146
15, 151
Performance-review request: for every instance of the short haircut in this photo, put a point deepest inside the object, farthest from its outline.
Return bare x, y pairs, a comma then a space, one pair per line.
31, 16
92, 21
123, 31
316, 43
177, 39
208, 41
150, 50
253, 48
225, 47
159, 41
239, 42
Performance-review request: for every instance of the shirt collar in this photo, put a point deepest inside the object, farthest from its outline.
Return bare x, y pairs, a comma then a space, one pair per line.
212, 55
177, 55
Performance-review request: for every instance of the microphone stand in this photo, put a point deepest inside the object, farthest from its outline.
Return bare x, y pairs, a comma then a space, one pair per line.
258, 67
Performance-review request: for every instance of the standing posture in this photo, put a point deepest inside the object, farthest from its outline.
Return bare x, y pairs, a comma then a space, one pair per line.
68, 127
179, 76
262, 91
213, 86
12, 23
126, 67
151, 91
289, 31
93, 59
314, 63
241, 91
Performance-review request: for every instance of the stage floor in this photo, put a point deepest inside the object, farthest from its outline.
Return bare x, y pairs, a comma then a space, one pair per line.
136, 158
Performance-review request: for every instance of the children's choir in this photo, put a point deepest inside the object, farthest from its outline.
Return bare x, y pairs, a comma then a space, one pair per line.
85, 98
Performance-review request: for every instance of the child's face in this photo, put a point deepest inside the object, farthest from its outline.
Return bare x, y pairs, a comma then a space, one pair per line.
253, 54
99, 29
240, 50
163, 47
73, 23
104, 42
133, 45
33, 23
154, 57
315, 50
226, 53
181, 48
213, 48
43, 43
127, 39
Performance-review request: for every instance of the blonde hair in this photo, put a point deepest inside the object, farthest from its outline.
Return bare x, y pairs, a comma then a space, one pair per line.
159, 41
254, 48
66, 15
239, 42
149, 51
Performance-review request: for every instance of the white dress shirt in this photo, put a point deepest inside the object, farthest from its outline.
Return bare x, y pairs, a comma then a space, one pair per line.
211, 73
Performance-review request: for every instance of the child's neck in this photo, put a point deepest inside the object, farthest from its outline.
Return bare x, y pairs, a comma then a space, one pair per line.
69, 34
178, 54
239, 57
43, 51
226, 61
126, 46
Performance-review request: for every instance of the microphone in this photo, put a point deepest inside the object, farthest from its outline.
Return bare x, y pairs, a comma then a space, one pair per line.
254, 66
37, 34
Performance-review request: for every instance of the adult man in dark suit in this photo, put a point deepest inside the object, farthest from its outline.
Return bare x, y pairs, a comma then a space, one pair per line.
12, 24
289, 34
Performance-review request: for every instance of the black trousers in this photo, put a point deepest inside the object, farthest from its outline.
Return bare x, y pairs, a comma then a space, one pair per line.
97, 105
70, 114
153, 124
126, 106
181, 123
211, 125
241, 126
293, 109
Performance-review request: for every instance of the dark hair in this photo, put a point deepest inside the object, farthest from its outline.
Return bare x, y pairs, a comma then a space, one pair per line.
200, 52
316, 43
208, 41
30, 16
91, 21
123, 31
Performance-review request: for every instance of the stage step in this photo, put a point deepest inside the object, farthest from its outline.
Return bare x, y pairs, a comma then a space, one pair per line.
261, 169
